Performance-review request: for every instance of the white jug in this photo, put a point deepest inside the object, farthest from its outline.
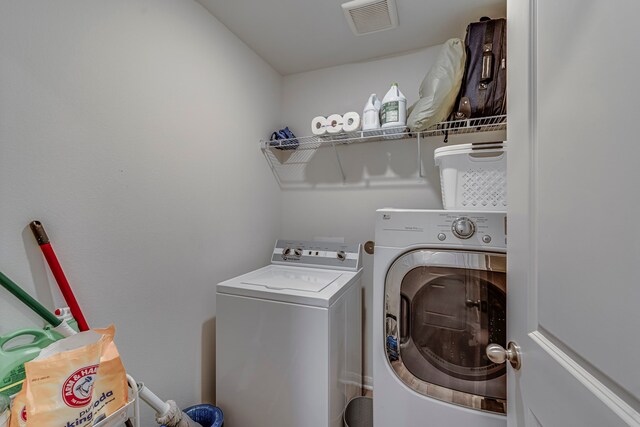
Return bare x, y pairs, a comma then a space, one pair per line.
371, 113
394, 108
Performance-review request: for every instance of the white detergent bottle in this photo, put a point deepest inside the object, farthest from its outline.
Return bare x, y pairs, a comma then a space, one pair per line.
393, 113
371, 113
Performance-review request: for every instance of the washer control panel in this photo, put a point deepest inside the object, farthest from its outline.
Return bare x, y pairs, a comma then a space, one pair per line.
441, 228
318, 254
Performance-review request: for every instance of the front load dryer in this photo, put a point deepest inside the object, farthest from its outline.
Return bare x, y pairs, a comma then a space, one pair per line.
439, 300
289, 338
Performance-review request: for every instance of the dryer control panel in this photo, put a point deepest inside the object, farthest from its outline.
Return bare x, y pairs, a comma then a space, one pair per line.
442, 228
339, 256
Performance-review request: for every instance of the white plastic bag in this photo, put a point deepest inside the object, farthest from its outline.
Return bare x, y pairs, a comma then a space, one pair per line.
439, 88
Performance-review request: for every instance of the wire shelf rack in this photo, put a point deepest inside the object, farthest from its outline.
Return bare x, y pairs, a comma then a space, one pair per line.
443, 129
290, 153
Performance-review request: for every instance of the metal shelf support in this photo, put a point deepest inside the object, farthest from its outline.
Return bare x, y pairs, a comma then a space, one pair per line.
335, 149
420, 169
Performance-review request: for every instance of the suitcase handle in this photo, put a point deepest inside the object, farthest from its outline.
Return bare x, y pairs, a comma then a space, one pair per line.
486, 74
487, 65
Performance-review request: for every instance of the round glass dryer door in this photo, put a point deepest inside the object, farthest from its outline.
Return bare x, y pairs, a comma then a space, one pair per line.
442, 310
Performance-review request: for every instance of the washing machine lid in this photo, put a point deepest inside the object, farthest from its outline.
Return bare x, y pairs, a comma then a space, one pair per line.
298, 285
293, 279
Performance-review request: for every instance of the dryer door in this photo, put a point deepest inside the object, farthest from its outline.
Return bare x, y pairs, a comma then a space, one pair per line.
442, 310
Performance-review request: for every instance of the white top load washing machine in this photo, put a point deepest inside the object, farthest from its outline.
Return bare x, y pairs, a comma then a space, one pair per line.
439, 299
288, 337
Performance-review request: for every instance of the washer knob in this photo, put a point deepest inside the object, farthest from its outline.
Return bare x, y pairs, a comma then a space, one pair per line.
463, 228
297, 252
341, 255
285, 253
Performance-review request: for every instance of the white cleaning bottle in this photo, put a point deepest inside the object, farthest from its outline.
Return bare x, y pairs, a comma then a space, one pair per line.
371, 113
394, 108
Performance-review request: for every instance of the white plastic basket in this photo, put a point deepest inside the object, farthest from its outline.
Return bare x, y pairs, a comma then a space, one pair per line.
118, 418
473, 176
129, 411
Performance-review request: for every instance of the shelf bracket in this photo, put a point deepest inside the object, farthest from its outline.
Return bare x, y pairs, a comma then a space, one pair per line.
420, 168
335, 149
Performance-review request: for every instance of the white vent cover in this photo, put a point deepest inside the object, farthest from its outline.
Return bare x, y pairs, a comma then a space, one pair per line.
371, 16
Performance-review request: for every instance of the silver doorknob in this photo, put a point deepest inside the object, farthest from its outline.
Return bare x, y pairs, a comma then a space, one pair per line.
497, 354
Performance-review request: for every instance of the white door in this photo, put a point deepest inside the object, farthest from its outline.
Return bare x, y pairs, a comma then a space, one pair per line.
574, 212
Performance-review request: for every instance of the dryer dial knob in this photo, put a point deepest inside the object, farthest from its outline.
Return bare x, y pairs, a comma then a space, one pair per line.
463, 228
341, 255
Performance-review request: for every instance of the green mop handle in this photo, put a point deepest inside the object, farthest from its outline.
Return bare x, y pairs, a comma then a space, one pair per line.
28, 300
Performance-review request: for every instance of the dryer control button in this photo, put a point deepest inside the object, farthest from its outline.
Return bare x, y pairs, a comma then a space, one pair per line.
341, 255
463, 228
442, 236
486, 238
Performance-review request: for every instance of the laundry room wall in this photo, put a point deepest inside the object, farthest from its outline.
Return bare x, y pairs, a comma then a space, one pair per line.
129, 128
316, 203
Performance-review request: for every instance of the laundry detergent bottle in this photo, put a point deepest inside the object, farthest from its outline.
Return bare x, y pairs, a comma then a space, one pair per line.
371, 113
393, 112
13, 358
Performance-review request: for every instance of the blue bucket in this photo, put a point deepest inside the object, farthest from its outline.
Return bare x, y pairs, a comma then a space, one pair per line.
206, 415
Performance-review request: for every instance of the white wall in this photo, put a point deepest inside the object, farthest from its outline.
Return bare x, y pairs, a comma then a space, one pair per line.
130, 129
119, 130
382, 174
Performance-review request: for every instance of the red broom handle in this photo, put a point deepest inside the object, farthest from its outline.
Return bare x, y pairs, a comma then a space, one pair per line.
58, 274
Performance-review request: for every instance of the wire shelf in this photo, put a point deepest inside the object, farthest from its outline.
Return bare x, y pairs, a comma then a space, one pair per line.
443, 129
288, 157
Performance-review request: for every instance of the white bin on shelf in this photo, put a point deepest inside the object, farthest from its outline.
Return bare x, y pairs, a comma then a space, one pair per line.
473, 176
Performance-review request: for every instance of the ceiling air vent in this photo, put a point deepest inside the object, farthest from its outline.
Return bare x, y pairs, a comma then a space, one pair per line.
371, 16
